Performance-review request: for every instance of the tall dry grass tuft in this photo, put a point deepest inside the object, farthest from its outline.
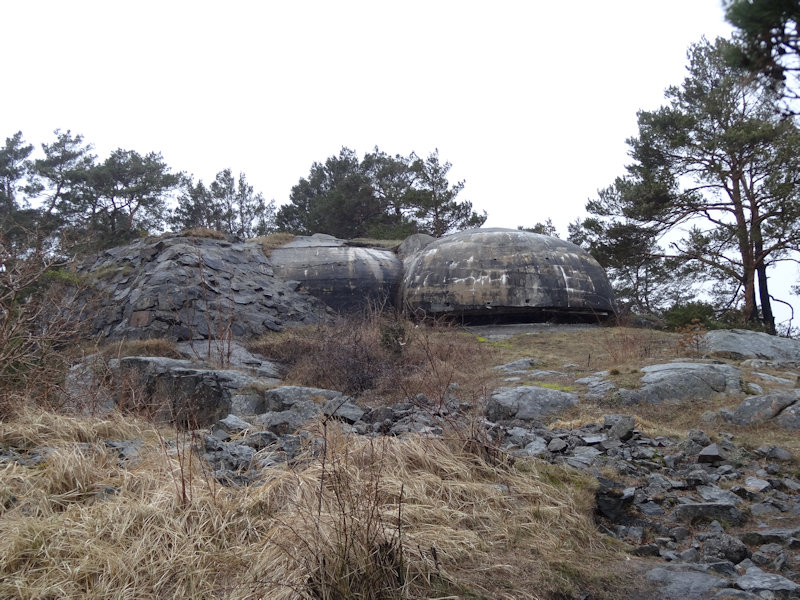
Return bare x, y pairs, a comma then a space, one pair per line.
365, 518
413, 517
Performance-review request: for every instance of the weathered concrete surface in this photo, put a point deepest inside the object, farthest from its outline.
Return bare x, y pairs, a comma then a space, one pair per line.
505, 272
345, 278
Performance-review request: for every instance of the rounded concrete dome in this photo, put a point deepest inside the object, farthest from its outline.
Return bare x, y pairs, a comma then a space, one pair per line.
346, 278
505, 273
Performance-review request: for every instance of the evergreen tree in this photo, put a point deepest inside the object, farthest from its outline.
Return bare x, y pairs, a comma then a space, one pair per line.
768, 32
720, 164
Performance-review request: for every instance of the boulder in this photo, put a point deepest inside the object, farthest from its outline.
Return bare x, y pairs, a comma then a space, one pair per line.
527, 403
789, 418
178, 391
682, 581
725, 547
757, 581
297, 398
708, 511
758, 409
681, 381
741, 344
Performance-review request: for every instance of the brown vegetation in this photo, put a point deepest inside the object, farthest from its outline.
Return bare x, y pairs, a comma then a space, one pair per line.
272, 241
384, 358
388, 518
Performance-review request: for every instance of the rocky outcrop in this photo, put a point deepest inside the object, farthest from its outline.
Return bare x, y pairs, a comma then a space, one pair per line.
721, 518
683, 381
739, 344
186, 288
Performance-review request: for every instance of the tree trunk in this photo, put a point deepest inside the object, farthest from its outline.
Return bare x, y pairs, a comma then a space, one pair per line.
766, 304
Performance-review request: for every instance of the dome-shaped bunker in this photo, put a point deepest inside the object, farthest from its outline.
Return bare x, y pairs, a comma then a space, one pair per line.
506, 274
346, 278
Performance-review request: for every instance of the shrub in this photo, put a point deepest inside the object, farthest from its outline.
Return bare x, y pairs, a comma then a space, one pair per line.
683, 314
41, 318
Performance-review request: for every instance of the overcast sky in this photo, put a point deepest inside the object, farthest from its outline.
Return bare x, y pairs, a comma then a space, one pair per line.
531, 101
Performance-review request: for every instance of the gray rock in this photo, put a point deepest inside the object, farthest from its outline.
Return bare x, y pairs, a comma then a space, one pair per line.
681, 381
232, 355
187, 288
741, 344
597, 386
127, 450
298, 398
768, 536
755, 580
556, 445
172, 390
712, 454
758, 409
725, 547
527, 403
678, 581
536, 447
734, 594
522, 364
764, 509
754, 484
713, 493
282, 422
621, 426
343, 410
259, 440
789, 418
232, 425
583, 456
698, 436
776, 453
773, 379
708, 511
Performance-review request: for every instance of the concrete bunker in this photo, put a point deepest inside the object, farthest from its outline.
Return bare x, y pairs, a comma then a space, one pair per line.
347, 278
505, 275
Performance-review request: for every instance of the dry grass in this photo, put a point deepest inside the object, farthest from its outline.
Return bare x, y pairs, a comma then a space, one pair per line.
592, 349
29, 426
146, 347
272, 241
388, 518
384, 358
203, 232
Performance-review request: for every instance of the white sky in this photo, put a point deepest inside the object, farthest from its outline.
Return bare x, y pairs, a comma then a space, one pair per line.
531, 101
